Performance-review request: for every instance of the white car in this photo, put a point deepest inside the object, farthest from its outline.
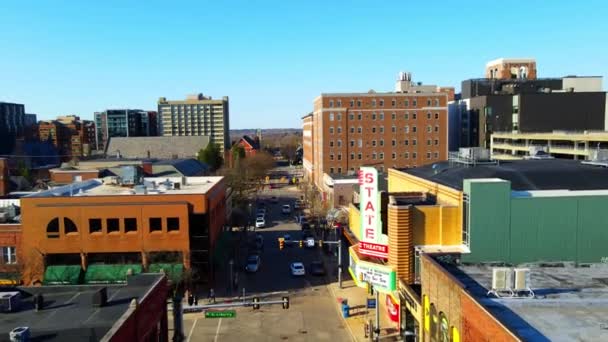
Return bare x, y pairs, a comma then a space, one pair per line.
286, 209
297, 269
260, 222
253, 263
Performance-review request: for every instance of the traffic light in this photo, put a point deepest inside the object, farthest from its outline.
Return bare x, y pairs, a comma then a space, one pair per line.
321, 243
281, 243
256, 306
285, 303
301, 243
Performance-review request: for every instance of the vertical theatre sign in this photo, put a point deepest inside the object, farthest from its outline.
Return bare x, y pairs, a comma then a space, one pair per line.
372, 242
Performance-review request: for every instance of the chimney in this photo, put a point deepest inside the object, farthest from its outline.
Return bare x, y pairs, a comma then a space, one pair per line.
4, 177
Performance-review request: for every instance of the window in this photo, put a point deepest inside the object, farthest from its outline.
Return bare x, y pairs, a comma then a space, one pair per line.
428, 115
374, 103
374, 143
414, 103
381, 156
9, 255
331, 116
414, 142
156, 224
381, 116
352, 143
331, 170
373, 116
339, 103
113, 225
359, 156
429, 129
331, 103
331, 143
414, 115
394, 155
94, 225
339, 116
381, 129
359, 130
339, 156
351, 116
52, 229
406, 155
381, 103
381, 142
394, 103
352, 129
394, 142
428, 102
172, 224
331, 130
436, 128
339, 129
407, 129
130, 225
340, 171
374, 129
360, 143
406, 103
352, 103
414, 129
414, 155
374, 155
394, 116
358, 103
436, 155
394, 129
406, 142
331, 156
406, 116
428, 155
436, 115
359, 116
436, 142
339, 143
436, 102
69, 226
352, 156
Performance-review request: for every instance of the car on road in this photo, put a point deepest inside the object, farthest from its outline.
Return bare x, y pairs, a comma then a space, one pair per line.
257, 216
297, 269
286, 209
261, 211
260, 222
274, 199
259, 241
317, 268
253, 263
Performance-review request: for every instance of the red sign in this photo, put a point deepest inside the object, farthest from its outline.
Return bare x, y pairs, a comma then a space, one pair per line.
373, 249
392, 309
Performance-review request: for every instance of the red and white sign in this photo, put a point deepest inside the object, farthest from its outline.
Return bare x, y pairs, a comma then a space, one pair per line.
392, 309
372, 242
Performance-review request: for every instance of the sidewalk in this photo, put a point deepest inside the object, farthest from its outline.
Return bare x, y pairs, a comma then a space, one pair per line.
357, 300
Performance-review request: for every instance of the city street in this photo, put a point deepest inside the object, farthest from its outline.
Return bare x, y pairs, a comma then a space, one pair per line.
312, 315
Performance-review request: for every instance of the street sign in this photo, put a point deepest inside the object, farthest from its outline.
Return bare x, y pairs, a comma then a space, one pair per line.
371, 303
220, 314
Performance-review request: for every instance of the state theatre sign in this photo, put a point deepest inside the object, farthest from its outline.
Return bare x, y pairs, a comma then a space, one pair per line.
373, 242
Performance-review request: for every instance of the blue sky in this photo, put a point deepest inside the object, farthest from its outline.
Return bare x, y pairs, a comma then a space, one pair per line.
273, 57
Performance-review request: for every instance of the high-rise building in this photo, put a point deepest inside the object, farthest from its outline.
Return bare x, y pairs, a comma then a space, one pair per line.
153, 122
120, 123
12, 117
72, 136
197, 115
405, 128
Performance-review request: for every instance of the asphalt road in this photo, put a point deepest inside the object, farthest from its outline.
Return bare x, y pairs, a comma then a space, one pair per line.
312, 315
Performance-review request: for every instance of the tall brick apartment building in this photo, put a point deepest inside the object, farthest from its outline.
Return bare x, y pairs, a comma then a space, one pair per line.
404, 128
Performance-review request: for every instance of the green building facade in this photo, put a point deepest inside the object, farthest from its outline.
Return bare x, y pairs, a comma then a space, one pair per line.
534, 226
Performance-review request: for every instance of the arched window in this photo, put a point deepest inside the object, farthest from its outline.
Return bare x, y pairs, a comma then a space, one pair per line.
69, 226
52, 229
434, 321
444, 328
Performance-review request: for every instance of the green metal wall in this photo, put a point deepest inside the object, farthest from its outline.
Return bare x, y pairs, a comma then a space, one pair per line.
525, 229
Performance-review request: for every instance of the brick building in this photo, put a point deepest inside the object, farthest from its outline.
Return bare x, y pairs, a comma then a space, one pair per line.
307, 144
72, 136
404, 128
511, 68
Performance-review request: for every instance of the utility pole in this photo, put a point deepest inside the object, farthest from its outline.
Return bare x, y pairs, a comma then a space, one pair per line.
340, 263
377, 327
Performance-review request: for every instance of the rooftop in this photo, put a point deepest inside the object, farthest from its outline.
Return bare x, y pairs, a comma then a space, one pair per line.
570, 304
153, 186
157, 147
68, 313
546, 174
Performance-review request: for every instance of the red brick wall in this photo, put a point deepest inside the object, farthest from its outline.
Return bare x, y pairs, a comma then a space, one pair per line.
68, 177
4, 177
478, 325
10, 236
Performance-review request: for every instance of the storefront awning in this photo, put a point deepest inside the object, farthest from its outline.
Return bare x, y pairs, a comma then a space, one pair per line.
173, 271
110, 274
62, 275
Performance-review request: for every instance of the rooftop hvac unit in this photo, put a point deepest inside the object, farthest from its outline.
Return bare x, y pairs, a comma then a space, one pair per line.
522, 281
502, 281
10, 301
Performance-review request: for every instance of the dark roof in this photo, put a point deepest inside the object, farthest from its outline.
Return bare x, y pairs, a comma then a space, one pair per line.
550, 174
252, 142
187, 167
68, 313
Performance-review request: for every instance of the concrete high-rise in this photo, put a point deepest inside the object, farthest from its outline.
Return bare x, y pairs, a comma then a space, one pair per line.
196, 115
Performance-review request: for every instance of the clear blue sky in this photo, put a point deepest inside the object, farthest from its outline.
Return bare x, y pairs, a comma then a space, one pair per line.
273, 58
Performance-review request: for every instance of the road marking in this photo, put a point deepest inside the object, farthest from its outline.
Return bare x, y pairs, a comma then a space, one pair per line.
217, 331
192, 329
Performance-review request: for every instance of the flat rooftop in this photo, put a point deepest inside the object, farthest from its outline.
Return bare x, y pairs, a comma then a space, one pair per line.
153, 185
546, 174
571, 303
68, 313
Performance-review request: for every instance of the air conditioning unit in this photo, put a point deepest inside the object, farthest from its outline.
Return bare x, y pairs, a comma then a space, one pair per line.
502, 279
522, 279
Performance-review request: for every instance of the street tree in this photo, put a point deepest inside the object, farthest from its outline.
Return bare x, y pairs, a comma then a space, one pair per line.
212, 156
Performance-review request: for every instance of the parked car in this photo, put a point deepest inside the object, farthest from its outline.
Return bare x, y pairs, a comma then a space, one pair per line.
297, 269
259, 241
257, 216
274, 199
253, 263
286, 209
261, 211
260, 222
317, 268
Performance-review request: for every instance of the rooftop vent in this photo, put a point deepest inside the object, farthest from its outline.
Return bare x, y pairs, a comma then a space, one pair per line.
100, 297
10, 301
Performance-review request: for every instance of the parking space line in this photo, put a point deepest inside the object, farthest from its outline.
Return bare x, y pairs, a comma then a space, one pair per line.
217, 332
192, 329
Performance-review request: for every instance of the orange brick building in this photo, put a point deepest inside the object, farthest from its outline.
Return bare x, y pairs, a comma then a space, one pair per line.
71, 135
509, 68
405, 128
95, 223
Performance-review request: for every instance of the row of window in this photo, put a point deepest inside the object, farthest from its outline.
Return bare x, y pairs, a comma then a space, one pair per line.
394, 155
112, 225
380, 142
380, 103
380, 116
406, 129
